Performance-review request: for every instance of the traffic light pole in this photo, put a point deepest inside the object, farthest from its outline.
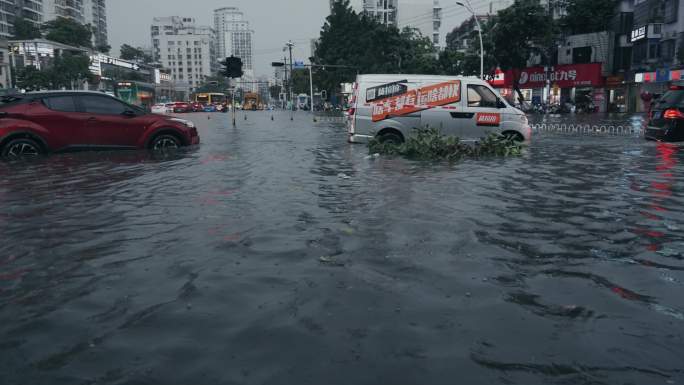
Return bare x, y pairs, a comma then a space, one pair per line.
290, 45
311, 102
232, 107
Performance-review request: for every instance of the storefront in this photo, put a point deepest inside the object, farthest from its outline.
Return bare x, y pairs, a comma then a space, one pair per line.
651, 85
616, 93
581, 84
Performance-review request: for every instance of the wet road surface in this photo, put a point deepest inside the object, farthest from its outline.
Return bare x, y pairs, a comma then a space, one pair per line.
276, 253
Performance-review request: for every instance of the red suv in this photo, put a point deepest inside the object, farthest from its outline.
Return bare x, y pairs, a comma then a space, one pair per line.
58, 121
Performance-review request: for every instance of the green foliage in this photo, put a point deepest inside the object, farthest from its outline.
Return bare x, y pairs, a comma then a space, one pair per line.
585, 16
214, 84
66, 71
300, 81
430, 144
25, 30
355, 40
31, 79
451, 62
67, 31
469, 62
69, 69
128, 52
518, 32
104, 48
274, 91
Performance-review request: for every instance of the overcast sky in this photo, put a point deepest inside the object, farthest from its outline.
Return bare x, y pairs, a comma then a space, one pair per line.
274, 22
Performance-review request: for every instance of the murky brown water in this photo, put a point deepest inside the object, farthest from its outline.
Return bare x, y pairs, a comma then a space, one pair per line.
276, 253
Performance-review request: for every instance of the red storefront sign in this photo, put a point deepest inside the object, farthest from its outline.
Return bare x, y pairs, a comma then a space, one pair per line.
564, 76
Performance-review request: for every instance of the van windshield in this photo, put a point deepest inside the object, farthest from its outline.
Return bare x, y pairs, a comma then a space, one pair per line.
481, 96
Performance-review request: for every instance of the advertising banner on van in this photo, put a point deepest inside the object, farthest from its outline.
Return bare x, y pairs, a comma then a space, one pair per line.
386, 91
417, 100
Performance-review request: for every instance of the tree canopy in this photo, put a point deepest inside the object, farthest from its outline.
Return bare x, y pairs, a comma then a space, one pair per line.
518, 32
367, 46
70, 32
25, 30
585, 16
66, 71
128, 52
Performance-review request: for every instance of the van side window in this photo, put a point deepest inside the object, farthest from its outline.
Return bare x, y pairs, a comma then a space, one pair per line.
481, 96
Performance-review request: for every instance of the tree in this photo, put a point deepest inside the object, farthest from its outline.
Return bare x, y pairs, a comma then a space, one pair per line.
70, 32
214, 84
128, 52
69, 70
25, 30
274, 91
367, 46
585, 16
137, 54
517, 33
470, 60
417, 53
29, 78
104, 48
450, 62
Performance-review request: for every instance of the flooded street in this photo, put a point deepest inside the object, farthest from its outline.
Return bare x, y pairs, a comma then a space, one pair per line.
276, 253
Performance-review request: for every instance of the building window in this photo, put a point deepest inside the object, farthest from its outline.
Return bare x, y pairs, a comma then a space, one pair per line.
581, 55
653, 50
667, 49
671, 11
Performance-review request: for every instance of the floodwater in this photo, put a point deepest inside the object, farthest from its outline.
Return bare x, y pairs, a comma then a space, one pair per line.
276, 253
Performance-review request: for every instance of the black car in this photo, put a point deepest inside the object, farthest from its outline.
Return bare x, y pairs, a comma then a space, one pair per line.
666, 121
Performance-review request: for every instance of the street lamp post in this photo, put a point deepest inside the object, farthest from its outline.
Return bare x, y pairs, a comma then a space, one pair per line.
289, 45
479, 31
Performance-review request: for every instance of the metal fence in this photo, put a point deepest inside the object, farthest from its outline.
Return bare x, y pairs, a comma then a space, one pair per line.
608, 129
588, 129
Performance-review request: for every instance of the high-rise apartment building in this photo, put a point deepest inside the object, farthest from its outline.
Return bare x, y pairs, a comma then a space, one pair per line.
234, 35
185, 48
91, 12
71, 9
31, 10
95, 14
384, 11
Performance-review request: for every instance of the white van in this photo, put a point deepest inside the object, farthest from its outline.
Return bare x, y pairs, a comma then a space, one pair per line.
392, 107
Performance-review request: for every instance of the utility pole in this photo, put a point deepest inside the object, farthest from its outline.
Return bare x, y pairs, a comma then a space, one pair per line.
469, 7
290, 45
311, 102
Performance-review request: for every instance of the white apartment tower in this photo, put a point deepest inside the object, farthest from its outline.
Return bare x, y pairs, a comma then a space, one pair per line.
235, 37
95, 13
384, 11
185, 48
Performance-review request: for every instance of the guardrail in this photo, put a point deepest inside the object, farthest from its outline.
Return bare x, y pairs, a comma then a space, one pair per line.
331, 119
588, 129
559, 128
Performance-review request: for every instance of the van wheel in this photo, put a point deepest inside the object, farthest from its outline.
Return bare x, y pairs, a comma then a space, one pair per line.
21, 148
391, 138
